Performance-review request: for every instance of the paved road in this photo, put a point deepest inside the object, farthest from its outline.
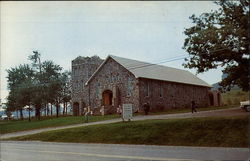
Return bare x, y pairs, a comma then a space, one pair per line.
222, 112
45, 151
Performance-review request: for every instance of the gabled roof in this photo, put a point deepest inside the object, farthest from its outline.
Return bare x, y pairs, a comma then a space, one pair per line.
152, 71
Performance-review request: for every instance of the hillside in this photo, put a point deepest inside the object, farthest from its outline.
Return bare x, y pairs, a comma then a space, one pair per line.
235, 96
216, 86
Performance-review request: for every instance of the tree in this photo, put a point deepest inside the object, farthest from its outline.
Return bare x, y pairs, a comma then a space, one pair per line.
66, 90
19, 81
221, 38
38, 85
51, 77
61, 91
35, 85
48, 83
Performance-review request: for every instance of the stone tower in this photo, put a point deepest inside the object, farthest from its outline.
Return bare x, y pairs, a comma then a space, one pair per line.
82, 70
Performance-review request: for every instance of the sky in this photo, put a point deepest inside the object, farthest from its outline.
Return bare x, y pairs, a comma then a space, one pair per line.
62, 30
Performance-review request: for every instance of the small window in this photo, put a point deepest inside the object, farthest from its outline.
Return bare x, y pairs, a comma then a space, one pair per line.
161, 90
130, 87
75, 69
147, 89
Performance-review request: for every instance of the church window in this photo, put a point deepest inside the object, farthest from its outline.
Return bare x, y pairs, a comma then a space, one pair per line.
147, 88
130, 87
161, 90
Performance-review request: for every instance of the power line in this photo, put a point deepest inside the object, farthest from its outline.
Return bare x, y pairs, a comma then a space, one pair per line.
156, 63
137, 65
149, 64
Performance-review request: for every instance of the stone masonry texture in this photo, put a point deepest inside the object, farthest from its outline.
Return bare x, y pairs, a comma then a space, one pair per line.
123, 88
82, 69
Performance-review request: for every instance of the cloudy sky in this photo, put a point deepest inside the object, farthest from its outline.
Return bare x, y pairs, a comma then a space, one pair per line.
61, 31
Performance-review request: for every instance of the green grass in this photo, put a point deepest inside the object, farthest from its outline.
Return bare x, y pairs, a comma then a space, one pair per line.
184, 110
22, 125
210, 131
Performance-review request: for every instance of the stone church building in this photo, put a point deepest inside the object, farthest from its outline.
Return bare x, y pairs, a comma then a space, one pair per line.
115, 81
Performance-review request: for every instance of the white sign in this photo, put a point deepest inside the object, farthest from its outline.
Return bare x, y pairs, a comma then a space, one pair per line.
127, 112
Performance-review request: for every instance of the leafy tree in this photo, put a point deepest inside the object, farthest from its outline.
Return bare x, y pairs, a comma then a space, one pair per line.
36, 60
47, 83
50, 76
36, 85
60, 91
221, 38
66, 90
19, 81
11, 104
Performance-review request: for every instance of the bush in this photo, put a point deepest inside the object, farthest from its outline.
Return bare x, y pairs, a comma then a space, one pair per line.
229, 101
236, 101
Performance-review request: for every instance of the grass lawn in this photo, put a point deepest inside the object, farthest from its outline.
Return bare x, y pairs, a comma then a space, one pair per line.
210, 131
183, 110
21, 125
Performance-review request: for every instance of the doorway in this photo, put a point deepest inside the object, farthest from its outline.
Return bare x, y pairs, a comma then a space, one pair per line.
75, 108
107, 97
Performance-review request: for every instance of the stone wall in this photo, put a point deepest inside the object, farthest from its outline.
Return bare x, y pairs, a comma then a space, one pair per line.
215, 98
82, 69
164, 95
114, 77
125, 88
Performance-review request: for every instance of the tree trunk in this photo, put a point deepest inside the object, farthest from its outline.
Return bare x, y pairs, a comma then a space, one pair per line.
38, 112
63, 108
29, 113
21, 113
47, 105
57, 109
51, 109
66, 103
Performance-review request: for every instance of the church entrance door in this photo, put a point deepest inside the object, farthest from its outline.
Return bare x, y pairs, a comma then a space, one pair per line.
107, 97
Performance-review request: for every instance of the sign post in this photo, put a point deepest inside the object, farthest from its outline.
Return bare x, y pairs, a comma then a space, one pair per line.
127, 112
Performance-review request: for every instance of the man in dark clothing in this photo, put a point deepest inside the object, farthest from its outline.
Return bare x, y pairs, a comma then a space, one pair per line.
193, 107
146, 108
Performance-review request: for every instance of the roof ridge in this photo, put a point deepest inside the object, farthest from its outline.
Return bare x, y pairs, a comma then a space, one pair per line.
150, 63
152, 72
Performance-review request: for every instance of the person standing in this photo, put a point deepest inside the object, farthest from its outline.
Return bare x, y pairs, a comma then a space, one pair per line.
146, 108
193, 107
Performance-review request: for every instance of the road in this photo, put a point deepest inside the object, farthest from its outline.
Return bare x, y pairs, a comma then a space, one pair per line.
46, 151
222, 112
